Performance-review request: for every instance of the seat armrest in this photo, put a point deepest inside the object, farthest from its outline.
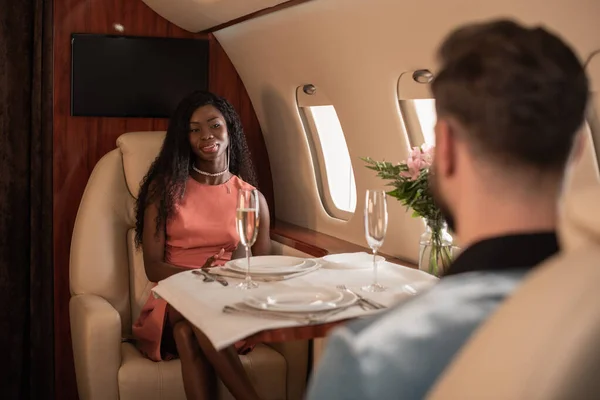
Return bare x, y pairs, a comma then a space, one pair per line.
296, 357
96, 337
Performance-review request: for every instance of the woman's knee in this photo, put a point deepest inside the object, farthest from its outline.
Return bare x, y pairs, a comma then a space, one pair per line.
174, 315
183, 333
184, 337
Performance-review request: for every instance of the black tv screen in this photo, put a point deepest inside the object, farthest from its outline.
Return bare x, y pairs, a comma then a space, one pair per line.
124, 76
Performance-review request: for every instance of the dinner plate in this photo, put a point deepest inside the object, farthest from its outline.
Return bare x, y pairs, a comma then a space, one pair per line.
308, 299
271, 264
359, 260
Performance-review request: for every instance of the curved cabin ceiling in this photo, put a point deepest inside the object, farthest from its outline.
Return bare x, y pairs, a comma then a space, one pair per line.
200, 15
355, 52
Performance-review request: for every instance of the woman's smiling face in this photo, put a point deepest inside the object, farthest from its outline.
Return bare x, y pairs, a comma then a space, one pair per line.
208, 133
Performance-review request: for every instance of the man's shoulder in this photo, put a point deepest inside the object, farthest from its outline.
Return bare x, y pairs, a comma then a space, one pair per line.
408, 346
456, 300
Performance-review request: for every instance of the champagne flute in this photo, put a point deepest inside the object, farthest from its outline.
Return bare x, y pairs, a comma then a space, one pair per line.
376, 221
247, 222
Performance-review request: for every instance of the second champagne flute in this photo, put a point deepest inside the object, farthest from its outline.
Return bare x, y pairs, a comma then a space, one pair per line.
247, 221
376, 221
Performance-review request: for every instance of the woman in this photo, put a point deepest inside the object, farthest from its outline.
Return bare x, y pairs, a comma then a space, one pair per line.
185, 215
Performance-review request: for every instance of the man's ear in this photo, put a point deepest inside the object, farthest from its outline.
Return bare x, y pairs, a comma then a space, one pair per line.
445, 147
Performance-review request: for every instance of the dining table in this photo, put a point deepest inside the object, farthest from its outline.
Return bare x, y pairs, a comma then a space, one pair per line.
221, 314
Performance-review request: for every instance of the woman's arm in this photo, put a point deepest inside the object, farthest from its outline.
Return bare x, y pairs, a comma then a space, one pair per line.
154, 248
262, 246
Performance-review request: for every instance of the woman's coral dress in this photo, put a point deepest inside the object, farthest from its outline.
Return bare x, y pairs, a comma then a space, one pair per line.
202, 224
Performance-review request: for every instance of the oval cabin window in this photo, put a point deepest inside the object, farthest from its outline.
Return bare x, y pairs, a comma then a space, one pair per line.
329, 152
340, 176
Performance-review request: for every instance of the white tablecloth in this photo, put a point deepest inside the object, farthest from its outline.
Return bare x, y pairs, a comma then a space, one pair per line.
201, 303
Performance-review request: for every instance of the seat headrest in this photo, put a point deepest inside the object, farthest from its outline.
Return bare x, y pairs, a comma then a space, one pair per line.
579, 223
139, 150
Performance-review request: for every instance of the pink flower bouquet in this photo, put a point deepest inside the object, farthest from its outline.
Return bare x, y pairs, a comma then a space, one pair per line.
411, 188
409, 179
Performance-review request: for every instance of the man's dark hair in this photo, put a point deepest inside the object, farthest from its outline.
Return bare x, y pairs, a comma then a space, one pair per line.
520, 93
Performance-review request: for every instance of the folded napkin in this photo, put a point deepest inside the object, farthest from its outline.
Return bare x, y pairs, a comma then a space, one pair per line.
358, 260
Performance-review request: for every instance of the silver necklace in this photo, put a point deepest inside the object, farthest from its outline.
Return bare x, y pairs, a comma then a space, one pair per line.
209, 173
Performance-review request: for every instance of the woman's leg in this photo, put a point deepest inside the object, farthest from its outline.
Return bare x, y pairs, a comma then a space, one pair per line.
228, 367
199, 378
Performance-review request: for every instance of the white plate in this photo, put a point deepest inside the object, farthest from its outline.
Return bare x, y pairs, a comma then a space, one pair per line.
306, 265
271, 264
359, 260
300, 299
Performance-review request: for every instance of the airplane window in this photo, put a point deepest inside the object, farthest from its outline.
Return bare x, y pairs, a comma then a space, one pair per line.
417, 108
333, 155
340, 175
419, 118
426, 114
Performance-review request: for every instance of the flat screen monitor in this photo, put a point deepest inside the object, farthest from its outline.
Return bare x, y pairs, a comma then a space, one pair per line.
125, 76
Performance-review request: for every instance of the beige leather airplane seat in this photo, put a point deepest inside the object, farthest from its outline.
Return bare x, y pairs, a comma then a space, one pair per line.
109, 286
544, 341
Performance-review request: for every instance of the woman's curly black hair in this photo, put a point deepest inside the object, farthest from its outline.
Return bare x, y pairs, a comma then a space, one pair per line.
164, 183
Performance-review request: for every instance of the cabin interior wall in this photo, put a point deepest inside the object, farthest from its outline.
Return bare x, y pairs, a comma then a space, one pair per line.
355, 51
79, 142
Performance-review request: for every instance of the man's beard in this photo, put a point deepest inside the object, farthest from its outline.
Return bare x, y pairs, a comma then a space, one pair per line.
439, 200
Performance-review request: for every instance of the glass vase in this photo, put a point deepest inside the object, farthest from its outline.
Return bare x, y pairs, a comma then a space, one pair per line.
435, 248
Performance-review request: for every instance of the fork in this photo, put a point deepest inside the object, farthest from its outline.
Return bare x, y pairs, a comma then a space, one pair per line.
371, 303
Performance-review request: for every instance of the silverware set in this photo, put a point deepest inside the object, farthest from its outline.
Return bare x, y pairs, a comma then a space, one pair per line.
208, 277
364, 303
211, 277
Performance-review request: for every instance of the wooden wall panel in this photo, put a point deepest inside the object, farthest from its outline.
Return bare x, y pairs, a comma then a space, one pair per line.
221, 75
79, 142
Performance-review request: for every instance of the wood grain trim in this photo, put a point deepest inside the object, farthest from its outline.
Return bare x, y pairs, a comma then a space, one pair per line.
319, 244
256, 14
225, 81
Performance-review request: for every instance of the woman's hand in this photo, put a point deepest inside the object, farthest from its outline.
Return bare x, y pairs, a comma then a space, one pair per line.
210, 260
